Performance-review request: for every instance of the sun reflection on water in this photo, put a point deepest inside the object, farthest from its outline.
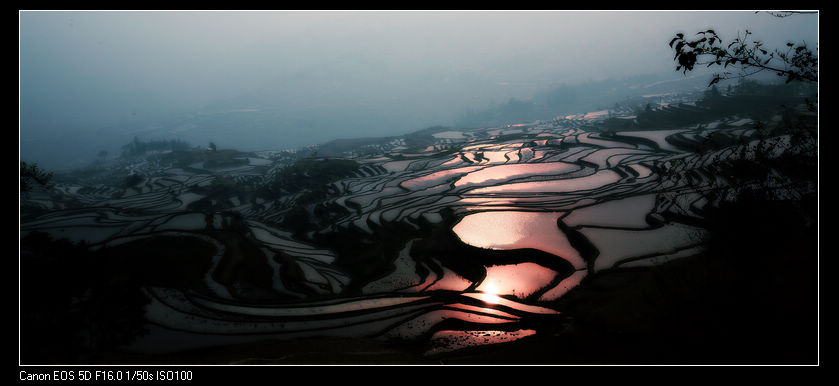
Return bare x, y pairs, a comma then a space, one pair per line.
489, 294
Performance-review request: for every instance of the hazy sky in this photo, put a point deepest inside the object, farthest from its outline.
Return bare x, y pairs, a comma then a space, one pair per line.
89, 70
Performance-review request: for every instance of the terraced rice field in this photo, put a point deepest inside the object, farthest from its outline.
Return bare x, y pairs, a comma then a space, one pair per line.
467, 242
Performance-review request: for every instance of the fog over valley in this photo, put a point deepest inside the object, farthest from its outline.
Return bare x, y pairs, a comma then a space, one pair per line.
91, 81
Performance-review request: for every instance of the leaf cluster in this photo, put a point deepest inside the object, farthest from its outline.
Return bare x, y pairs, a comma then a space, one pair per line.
795, 62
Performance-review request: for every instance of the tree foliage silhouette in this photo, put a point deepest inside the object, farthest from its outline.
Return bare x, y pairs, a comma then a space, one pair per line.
745, 55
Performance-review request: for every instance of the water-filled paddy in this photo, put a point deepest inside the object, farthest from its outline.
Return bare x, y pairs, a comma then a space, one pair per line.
469, 247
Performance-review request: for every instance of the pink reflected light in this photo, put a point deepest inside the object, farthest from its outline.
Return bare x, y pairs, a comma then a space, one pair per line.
512, 304
501, 173
436, 178
485, 310
520, 280
517, 230
594, 181
489, 297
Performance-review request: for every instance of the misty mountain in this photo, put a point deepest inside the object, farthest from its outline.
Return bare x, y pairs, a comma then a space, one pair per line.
92, 81
280, 115
592, 95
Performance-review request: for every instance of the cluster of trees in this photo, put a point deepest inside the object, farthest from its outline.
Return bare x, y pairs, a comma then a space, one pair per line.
31, 174
747, 98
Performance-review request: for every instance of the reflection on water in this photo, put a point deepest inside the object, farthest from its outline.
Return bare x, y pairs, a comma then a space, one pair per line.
523, 307
436, 178
519, 280
489, 294
490, 300
502, 173
597, 180
624, 213
517, 230
577, 197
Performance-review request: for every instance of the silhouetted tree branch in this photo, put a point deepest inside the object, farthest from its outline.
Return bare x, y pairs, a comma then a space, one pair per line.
795, 62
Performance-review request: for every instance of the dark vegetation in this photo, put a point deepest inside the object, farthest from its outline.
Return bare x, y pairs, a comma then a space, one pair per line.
209, 159
421, 139
33, 178
132, 180
31, 174
361, 254
179, 154
359, 146
75, 304
243, 269
218, 193
162, 261
80, 306
746, 99
311, 178
312, 174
